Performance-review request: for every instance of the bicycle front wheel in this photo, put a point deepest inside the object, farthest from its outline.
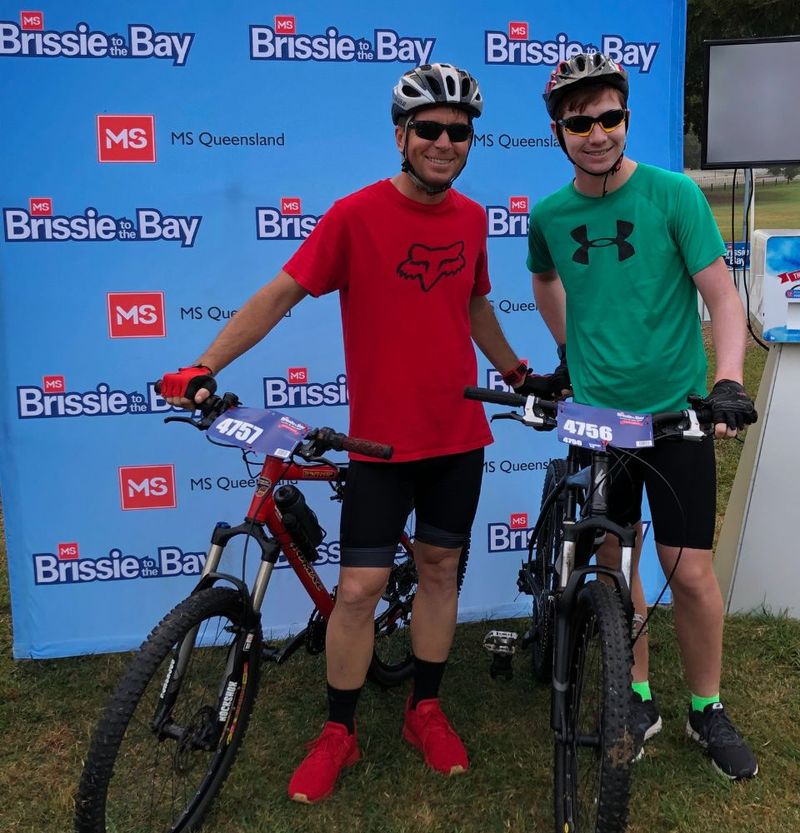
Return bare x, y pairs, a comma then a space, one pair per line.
594, 749
544, 577
171, 731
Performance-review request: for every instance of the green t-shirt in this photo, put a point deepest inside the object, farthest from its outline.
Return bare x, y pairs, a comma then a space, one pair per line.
626, 260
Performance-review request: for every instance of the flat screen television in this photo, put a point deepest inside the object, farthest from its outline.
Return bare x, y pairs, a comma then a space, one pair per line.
751, 103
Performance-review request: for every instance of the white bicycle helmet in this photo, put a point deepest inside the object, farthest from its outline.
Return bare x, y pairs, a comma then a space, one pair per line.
432, 84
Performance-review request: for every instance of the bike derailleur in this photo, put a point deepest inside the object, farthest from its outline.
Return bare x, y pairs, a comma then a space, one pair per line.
502, 646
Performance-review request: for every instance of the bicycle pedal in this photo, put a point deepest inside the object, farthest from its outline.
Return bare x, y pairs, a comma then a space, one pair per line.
501, 642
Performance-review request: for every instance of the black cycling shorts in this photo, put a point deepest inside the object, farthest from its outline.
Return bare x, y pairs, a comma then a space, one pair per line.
378, 498
690, 470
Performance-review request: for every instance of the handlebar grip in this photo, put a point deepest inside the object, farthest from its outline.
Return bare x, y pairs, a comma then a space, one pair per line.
498, 397
366, 447
207, 382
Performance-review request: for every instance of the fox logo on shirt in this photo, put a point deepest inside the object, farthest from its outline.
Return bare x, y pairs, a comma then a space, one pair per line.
430, 264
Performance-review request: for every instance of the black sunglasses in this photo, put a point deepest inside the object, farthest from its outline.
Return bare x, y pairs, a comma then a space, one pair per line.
582, 125
432, 130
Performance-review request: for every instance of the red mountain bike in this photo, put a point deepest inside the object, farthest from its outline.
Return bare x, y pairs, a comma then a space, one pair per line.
172, 729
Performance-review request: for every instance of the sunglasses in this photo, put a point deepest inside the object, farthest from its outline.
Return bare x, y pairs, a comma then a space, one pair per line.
582, 125
432, 130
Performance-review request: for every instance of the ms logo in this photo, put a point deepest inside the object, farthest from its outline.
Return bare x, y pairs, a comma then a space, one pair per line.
624, 249
430, 265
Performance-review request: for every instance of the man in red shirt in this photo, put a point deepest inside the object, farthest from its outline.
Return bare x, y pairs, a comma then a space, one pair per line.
408, 257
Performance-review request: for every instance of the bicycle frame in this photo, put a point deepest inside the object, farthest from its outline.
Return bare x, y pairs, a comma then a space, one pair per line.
576, 551
264, 513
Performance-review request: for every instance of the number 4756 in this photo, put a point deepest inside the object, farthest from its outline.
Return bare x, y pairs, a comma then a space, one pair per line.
588, 429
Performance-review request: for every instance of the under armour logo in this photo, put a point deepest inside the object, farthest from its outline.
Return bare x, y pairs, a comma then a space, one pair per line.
624, 250
429, 265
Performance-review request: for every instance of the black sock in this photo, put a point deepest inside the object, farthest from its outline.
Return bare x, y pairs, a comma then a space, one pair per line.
342, 706
427, 679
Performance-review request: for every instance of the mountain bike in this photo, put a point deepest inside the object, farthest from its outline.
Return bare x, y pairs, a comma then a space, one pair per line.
581, 631
172, 729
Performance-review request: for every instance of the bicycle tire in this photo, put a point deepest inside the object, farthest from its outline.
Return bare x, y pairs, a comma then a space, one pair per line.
131, 766
543, 572
594, 750
392, 659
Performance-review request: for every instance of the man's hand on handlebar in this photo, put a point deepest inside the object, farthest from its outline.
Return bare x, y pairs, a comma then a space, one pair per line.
731, 408
552, 386
187, 388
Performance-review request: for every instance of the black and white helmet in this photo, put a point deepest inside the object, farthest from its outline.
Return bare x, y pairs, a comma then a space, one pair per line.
432, 84
583, 70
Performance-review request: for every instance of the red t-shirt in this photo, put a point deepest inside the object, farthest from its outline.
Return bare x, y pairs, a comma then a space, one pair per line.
405, 272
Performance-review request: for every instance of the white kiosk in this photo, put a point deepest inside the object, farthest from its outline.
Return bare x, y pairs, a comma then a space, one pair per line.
758, 553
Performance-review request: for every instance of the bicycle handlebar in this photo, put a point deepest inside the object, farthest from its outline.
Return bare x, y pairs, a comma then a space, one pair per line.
691, 422
498, 397
330, 439
319, 440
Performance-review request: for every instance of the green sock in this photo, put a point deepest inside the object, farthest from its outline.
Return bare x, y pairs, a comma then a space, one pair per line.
699, 703
643, 690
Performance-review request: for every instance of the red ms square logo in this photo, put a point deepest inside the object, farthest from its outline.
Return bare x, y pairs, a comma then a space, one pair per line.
31, 21
517, 30
53, 384
68, 552
285, 24
136, 315
126, 139
40, 206
147, 487
519, 520
518, 205
291, 205
297, 375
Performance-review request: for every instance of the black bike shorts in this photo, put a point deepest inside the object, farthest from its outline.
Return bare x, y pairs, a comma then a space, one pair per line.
378, 498
685, 518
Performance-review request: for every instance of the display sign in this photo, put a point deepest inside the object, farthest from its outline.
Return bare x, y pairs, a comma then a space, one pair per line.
162, 162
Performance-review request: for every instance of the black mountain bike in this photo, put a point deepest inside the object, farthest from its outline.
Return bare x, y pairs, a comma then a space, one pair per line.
581, 627
172, 729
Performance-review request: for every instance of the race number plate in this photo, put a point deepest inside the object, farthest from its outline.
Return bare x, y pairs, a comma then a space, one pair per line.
260, 430
596, 428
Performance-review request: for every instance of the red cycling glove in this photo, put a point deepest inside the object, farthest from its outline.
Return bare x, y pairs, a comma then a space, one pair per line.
187, 381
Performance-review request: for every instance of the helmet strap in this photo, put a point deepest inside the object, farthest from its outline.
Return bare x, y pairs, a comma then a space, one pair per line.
605, 174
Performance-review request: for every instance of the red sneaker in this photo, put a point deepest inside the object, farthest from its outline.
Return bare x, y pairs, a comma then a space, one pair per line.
427, 728
328, 755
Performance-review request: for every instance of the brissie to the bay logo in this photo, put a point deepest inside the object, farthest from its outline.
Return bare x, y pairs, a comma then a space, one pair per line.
30, 39
282, 42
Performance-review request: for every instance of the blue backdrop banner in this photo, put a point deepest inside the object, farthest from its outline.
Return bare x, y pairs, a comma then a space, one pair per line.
162, 161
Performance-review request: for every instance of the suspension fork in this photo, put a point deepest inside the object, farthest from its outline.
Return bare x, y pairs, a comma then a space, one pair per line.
235, 661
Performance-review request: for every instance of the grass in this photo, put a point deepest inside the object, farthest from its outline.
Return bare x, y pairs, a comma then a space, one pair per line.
776, 206
48, 710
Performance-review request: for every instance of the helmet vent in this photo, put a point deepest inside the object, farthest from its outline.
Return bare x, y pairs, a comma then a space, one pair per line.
435, 86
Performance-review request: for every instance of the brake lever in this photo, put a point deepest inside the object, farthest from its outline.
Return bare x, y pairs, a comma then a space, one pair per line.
510, 415
191, 421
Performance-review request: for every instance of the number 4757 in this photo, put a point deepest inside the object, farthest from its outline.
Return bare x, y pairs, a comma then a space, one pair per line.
588, 429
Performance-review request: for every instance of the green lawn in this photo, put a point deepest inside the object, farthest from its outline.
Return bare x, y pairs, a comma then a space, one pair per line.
776, 206
48, 709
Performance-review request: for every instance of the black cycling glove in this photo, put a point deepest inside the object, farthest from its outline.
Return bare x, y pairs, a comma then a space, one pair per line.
730, 404
545, 386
